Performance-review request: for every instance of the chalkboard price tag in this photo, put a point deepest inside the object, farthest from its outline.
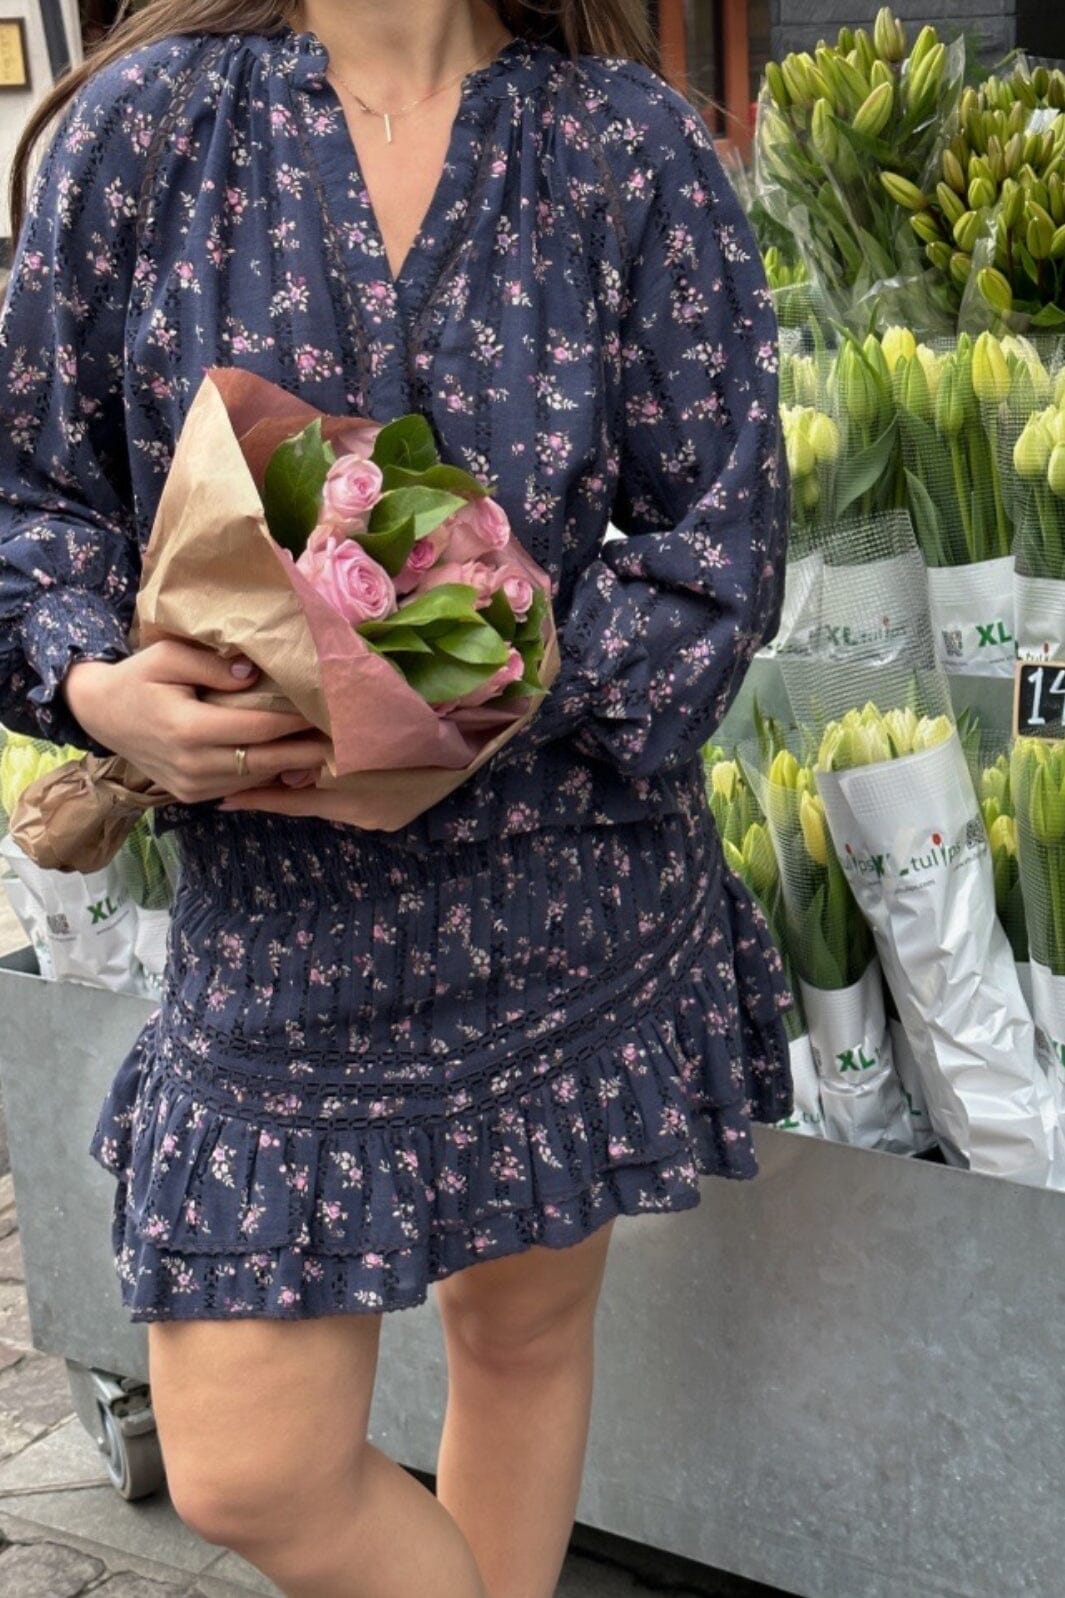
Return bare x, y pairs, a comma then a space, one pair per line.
1039, 699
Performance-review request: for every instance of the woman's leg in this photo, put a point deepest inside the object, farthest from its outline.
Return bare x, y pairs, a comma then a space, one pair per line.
263, 1431
519, 1336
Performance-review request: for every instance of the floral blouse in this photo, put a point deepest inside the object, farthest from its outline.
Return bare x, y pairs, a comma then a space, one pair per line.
582, 318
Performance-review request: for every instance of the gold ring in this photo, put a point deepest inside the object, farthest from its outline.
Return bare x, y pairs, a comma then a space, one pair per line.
240, 755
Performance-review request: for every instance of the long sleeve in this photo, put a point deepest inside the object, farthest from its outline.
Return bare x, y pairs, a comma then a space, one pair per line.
69, 557
663, 623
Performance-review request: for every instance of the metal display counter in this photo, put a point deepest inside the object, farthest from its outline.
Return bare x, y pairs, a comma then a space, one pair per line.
843, 1379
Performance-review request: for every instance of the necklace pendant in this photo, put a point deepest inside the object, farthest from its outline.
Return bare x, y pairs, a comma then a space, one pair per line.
388, 128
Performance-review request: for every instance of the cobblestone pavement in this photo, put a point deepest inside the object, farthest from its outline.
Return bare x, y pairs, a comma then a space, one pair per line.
64, 1531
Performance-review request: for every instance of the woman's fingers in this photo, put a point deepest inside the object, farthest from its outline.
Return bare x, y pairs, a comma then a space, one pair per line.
222, 724
176, 662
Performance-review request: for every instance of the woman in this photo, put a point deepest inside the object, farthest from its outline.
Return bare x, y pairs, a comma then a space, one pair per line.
457, 1053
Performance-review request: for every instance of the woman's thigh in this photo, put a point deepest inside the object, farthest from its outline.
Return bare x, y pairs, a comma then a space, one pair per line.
520, 1307
259, 1419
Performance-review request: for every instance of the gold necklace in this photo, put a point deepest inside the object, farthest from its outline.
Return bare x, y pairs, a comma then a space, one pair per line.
389, 117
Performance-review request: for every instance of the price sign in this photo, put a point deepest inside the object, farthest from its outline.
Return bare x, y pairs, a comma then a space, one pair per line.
1039, 699
14, 62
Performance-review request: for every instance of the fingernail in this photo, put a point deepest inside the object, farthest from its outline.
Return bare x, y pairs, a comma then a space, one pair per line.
243, 669
297, 779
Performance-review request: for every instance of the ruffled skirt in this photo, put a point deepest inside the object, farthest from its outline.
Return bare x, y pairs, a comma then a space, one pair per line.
371, 1068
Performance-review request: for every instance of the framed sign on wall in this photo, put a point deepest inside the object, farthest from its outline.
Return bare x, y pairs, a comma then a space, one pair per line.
14, 57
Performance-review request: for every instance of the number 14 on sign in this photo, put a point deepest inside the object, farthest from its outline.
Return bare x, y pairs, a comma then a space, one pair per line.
1039, 699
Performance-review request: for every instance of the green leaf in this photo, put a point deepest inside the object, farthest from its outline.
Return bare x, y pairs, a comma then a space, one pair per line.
1049, 316
864, 469
402, 640
426, 507
499, 615
390, 546
447, 602
439, 677
407, 442
292, 487
926, 522
531, 628
475, 643
452, 479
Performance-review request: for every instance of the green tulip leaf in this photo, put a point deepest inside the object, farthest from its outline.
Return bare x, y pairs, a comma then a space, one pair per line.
862, 471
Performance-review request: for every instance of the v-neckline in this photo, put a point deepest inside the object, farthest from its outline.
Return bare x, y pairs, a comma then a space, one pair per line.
423, 251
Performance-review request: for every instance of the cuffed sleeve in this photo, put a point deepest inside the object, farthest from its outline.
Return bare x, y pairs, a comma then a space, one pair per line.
663, 622
69, 555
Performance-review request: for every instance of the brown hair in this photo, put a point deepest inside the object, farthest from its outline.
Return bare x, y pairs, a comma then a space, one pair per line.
596, 27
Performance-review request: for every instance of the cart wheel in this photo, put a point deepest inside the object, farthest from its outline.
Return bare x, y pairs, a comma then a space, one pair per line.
133, 1463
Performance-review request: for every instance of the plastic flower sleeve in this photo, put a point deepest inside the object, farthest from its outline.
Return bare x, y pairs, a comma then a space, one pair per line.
831, 953
956, 503
912, 840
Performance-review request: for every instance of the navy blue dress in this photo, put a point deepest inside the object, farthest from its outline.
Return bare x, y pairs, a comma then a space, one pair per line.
380, 1058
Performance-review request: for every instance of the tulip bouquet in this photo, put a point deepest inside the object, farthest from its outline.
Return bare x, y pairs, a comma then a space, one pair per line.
992, 217
106, 927
1035, 483
382, 597
749, 855
1037, 777
907, 826
948, 400
828, 125
832, 954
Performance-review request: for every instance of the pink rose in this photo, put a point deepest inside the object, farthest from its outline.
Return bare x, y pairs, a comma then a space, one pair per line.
352, 489
422, 558
474, 573
479, 528
350, 580
518, 589
512, 670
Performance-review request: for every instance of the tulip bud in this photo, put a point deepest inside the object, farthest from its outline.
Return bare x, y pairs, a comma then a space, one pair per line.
784, 771
824, 439
897, 343
723, 777
950, 406
912, 392
1002, 835
18, 768
901, 729
1047, 808
812, 823
931, 732
760, 861
991, 373
1031, 453
1056, 470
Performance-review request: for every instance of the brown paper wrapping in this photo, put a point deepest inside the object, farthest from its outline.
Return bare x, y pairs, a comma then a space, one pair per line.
213, 576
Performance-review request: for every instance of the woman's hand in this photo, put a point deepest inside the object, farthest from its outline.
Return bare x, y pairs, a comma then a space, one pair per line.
147, 709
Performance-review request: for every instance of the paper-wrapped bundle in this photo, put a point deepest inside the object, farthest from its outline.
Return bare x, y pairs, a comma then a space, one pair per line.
212, 575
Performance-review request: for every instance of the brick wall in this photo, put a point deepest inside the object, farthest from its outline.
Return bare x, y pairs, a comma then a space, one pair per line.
799, 24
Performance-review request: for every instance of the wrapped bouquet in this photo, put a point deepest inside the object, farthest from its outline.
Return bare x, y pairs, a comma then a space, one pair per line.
378, 590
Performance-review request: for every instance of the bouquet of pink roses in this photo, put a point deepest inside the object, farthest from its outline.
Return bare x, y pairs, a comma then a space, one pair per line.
378, 590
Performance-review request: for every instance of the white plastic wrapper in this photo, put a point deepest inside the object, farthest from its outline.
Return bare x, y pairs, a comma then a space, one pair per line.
972, 617
895, 631
1048, 1009
911, 836
1039, 603
910, 1076
149, 949
860, 1092
800, 614
807, 1118
83, 928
